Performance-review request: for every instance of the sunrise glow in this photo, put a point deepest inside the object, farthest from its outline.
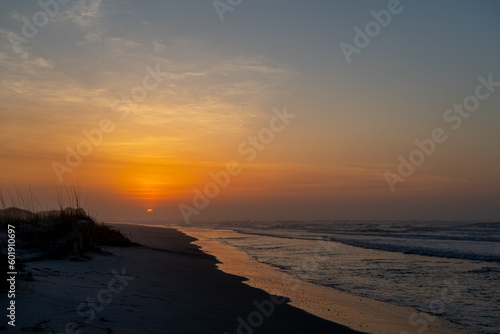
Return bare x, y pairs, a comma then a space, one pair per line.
145, 114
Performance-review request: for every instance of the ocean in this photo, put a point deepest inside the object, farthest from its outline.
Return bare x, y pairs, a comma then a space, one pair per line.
449, 270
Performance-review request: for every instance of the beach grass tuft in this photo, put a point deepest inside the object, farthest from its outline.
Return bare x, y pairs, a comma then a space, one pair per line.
70, 230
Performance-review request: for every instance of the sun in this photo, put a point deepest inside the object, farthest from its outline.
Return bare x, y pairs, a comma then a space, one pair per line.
149, 210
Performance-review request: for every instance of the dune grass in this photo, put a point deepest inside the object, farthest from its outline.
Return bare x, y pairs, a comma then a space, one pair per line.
39, 229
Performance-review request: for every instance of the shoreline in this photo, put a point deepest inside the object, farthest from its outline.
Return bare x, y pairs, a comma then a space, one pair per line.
328, 303
169, 286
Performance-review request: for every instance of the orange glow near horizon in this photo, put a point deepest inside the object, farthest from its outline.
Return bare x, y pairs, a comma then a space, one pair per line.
152, 183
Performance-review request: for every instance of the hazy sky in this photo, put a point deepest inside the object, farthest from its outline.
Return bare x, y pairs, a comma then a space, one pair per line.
153, 96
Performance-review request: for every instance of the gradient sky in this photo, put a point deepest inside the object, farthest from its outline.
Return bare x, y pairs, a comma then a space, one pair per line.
224, 80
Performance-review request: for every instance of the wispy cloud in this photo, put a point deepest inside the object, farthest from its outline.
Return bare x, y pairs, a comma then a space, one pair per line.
87, 14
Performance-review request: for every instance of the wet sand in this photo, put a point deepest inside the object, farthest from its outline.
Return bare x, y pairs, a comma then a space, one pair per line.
355, 312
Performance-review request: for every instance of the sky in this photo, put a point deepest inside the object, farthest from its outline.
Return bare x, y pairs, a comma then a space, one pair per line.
253, 110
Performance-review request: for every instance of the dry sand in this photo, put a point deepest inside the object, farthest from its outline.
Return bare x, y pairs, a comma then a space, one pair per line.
355, 312
177, 289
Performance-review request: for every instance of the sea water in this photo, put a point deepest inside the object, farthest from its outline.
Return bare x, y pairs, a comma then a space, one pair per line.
446, 269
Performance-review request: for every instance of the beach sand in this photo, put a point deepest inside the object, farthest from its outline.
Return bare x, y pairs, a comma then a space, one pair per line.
356, 312
172, 287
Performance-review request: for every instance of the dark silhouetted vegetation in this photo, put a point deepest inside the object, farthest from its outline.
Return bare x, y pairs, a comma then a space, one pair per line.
57, 233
